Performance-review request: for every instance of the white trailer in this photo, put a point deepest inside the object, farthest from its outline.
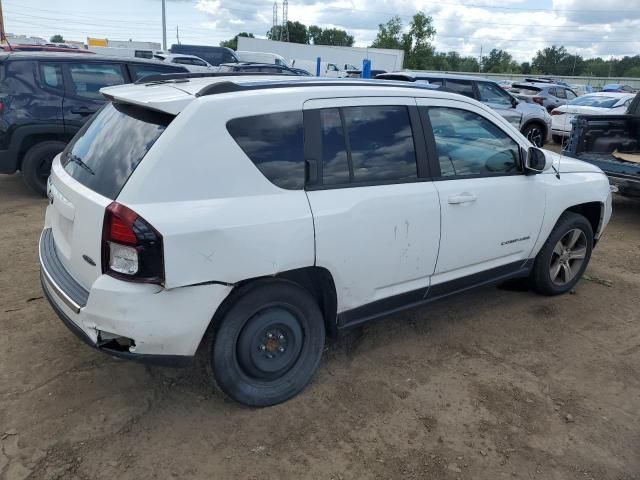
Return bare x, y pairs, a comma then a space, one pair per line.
342, 57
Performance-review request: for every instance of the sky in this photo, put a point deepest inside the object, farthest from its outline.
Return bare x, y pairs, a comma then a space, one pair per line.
588, 27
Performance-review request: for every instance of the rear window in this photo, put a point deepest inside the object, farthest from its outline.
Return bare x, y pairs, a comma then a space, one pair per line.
275, 144
107, 150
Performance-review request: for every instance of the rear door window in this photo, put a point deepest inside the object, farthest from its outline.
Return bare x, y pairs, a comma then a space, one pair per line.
88, 78
335, 162
275, 144
110, 146
51, 74
462, 87
381, 143
560, 93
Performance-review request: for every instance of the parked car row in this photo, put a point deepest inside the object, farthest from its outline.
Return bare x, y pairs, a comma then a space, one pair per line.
254, 215
532, 120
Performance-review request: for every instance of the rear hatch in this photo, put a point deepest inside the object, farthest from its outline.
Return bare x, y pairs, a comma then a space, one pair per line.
524, 92
89, 175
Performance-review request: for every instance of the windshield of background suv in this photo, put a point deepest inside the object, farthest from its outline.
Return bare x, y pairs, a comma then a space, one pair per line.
602, 102
106, 151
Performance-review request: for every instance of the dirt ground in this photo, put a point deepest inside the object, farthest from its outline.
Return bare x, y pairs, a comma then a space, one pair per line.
492, 384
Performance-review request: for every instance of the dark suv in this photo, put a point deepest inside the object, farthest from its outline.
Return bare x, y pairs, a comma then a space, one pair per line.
46, 97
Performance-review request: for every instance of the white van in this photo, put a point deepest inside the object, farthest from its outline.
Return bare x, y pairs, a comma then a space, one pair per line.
261, 57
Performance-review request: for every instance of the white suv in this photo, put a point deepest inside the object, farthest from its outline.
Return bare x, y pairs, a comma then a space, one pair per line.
268, 212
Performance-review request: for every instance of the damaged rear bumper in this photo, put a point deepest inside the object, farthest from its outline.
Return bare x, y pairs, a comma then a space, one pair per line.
141, 322
161, 360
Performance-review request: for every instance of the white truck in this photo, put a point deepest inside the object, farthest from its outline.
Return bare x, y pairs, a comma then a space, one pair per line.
381, 59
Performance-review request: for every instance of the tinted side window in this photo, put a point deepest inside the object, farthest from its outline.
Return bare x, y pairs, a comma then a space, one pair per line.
335, 163
381, 143
139, 71
51, 75
468, 144
560, 93
463, 87
492, 93
89, 78
274, 143
570, 95
143, 54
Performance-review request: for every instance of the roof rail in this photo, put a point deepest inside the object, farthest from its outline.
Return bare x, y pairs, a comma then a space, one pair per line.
230, 86
177, 77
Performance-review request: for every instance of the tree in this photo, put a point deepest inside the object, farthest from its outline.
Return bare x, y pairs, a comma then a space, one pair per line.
389, 35
233, 43
499, 61
525, 67
548, 61
298, 32
330, 36
415, 43
57, 38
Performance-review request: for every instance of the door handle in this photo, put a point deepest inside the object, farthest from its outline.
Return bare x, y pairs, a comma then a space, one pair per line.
83, 111
464, 197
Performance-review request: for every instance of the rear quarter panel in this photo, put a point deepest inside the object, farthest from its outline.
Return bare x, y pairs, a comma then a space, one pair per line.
220, 218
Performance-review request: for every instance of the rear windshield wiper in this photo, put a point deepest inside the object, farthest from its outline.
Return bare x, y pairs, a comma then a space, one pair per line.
77, 160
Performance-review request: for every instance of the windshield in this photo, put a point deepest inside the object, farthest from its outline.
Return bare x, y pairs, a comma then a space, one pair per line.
106, 151
601, 102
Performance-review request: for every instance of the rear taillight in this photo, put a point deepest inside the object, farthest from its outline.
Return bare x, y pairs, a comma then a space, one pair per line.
538, 100
131, 248
556, 112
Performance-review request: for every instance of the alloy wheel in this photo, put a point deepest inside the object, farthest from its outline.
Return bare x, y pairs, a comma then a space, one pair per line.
568, 256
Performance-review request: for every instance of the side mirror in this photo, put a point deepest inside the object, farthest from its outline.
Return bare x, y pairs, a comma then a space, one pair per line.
514, 102
536, 161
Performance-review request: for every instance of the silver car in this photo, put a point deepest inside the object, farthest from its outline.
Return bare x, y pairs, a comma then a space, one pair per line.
531, 119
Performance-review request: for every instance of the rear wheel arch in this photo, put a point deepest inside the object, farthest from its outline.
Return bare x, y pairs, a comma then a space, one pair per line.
317, 281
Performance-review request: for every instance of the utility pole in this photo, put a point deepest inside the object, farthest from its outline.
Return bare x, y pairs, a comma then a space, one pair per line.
164, 27
480, 62
3, 35
575, 59
177, 35
284, 31
274, 25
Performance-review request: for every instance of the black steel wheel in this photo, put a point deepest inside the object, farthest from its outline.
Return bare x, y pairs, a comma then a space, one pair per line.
268, 343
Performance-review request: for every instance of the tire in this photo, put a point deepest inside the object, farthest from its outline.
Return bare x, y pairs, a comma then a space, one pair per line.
549, 275
557, 139
535, 133
36, 164
268, 343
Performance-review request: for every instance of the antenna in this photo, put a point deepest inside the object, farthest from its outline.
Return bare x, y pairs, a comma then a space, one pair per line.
274, 25
284, 31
